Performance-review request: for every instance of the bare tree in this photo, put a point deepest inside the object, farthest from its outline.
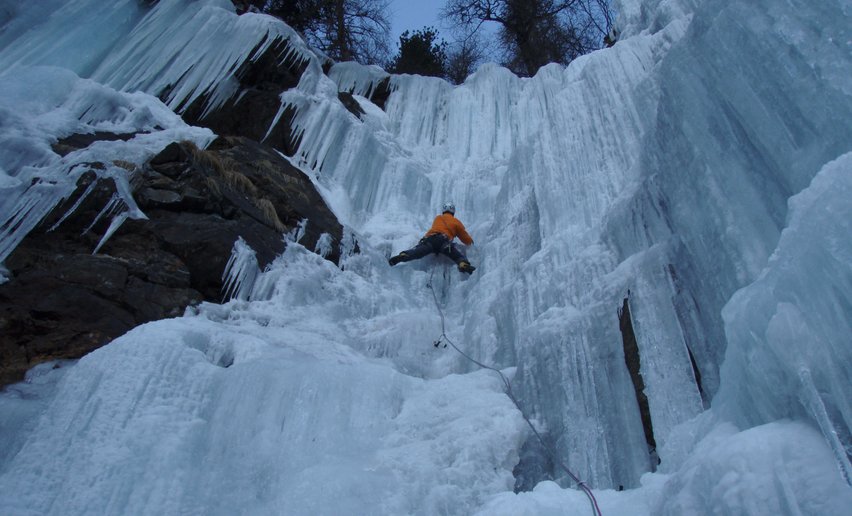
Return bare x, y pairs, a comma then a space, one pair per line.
536, 32
345, 30
464, 56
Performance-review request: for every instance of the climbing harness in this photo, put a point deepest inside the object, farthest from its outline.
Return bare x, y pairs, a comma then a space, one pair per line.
551, 452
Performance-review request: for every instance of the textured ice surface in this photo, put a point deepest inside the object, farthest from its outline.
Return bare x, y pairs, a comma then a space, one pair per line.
43, 104
792, 327
664, 165
251, 409
777, 468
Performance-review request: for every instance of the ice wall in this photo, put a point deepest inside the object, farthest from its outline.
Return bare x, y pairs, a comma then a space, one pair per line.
261, 409
538, 196
738, 135
662, 166
740, 129
791, 324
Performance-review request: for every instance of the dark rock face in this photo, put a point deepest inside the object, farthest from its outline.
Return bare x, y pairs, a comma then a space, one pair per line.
251, 111
350, 103
63, 301
380, 94
632, 360
78, 141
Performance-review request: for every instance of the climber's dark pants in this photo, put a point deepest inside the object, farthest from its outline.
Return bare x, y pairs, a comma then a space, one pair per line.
437, 243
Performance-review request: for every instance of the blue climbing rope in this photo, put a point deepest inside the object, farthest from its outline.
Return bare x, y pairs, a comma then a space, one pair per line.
508, 386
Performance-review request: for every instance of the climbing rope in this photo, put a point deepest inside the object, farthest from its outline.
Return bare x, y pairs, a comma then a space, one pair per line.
551, 452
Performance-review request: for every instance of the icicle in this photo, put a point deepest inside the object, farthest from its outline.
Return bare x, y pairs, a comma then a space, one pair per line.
83, 196
121, 178
324, 245
241, 271
356, 78
348, 242
106, 211
26, 213
296, 234
264, 286
178, 48
281, 109
116, 223
811, 399
121, 197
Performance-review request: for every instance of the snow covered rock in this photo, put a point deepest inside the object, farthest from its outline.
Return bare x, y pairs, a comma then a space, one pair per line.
64, 300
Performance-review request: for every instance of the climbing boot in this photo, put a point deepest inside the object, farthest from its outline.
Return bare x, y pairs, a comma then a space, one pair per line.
466, 267
401, 257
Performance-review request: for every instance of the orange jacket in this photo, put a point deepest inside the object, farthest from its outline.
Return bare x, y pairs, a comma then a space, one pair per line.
450, 226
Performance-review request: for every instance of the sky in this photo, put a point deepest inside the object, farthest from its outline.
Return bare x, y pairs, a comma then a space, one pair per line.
413, 15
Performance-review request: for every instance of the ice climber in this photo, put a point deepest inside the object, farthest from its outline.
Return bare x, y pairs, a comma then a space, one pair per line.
439, 239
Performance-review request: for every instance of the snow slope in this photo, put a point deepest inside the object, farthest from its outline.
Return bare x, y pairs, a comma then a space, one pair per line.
702, 163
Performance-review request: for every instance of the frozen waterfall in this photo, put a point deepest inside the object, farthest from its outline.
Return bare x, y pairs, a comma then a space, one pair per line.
703, 164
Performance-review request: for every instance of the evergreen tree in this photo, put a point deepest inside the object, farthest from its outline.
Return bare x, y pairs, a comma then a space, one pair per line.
420, 53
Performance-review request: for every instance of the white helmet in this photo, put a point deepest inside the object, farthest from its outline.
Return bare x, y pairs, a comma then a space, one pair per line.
448, 207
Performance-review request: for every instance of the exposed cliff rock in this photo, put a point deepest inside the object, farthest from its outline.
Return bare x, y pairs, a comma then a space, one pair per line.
255, 111
380, 94
63, 301
251, 111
